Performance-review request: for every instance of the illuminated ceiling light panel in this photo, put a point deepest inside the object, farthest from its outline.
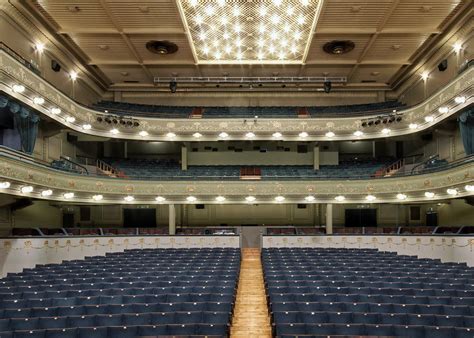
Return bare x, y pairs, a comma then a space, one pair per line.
258, 31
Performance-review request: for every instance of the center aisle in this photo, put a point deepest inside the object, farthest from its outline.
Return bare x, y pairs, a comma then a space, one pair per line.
251, 311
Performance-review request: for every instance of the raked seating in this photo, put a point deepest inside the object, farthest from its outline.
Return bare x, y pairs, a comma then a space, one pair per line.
316, 291
147, 292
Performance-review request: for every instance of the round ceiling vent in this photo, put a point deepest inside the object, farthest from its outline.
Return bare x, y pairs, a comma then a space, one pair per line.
161, 47
338, 47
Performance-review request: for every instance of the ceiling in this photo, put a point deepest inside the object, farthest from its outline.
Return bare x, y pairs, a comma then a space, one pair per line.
388, 35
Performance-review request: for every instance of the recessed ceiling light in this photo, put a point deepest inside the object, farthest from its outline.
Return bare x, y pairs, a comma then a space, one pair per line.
277, 135
68, 195
358, 133
70, 119
310, 198
279, 199
143, 133
160, 199
339, 198
191, 199
457, 47
429, 119
86, 126
55, 111
18, 88
250, 135
38, 100
425, 76
429, 194
385, 131
170, 135
223, 135
73, 75
220, 199
412, 126
401, 196
370, 198
452, 192
46, 193
26, 189
114, 131
4, 185
129, 198
303, 134
443, 110
250, 198
460, 99
39, 47
97, 197
197, 135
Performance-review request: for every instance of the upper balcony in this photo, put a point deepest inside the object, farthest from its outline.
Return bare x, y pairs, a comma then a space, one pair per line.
23, 84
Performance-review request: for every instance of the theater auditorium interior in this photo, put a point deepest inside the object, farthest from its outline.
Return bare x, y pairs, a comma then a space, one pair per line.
236, 168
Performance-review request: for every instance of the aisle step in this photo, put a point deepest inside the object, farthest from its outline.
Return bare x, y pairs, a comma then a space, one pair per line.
251, 317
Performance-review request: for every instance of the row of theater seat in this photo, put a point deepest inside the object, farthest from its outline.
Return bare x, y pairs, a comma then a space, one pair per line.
144, 110
124, 294
367, 292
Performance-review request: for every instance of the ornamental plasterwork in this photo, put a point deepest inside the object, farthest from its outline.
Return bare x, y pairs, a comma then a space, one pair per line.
12, 72
21, 173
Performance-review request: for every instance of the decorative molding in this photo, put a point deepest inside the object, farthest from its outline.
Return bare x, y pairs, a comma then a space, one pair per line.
446, 248
17, 254
12, 72
20, 173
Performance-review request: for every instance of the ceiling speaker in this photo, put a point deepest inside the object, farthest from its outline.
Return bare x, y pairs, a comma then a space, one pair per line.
161, 47
338, 47
55, 66
443, 65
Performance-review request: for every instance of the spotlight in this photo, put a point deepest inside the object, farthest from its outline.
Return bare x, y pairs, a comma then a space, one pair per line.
398, 119
327, 87
73, 75
364, 124
39, 47
99, 119
173, 86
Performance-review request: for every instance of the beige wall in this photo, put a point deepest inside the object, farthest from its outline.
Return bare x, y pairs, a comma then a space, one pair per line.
457, 212
40, 214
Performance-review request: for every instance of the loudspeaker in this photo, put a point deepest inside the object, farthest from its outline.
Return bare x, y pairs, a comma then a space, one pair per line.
427, 137
55, 66
443, 65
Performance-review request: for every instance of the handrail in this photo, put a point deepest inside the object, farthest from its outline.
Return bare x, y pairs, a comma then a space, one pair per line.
84, 169
432, 157
109, 170
20, 58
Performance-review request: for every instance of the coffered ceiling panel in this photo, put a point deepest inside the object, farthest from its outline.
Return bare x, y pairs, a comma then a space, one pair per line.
104, 48
394, 48
146, 16
125, 74
350, 15
378, 74
323, 70
420, 15
174, 71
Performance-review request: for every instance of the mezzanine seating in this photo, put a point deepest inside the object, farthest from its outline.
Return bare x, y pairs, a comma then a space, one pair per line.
367, 292
156, 111
145, 292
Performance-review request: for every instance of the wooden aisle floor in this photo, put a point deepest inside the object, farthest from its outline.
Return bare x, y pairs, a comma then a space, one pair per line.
251, 317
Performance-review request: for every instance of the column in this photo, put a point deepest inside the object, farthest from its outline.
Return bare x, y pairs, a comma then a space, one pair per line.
184, 157
172, 219
316, 159
329, 219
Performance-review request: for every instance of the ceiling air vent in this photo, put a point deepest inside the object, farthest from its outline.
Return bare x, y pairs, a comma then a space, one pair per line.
338, 47
161, 47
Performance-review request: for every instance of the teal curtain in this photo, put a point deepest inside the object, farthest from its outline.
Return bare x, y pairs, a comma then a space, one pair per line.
26, 123
466, 126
